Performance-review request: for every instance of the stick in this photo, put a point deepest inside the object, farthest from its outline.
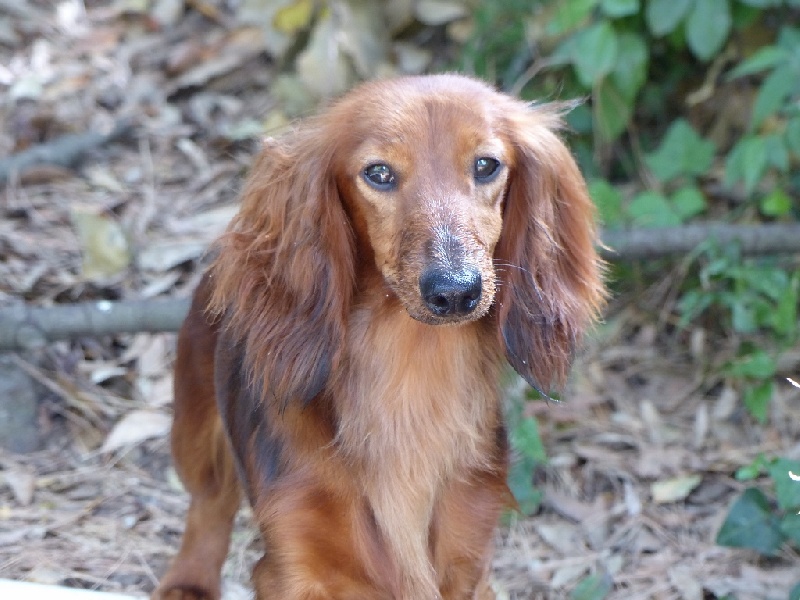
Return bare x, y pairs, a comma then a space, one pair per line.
755, 240
65, 151
24, 327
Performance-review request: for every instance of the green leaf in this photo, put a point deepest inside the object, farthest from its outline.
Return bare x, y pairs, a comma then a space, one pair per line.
608, 201
777, 153
651, 209
610, 110
773, 93
569, 15
751, 524
743, 316
789, 39
595, 53
776, 204
692, 304
790, 527
688, 202
620, 8
754, 365
757, 399
794, 594
682, 152
753, 470
707, 27
747, 161
784, 317
520, 481
787, 491
526, 440
764, 58
663, 16
630, 71
593, 587
792, 135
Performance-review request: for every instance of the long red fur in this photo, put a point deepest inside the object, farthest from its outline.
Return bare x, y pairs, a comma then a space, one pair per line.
366, 431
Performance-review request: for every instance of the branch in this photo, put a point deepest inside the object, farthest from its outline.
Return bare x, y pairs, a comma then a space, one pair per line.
23, 327
755, 240
65, 151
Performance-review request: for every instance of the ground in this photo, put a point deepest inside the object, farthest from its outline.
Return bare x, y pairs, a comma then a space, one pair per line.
641, 452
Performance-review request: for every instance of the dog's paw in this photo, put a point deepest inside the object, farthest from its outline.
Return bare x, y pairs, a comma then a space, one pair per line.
183, 593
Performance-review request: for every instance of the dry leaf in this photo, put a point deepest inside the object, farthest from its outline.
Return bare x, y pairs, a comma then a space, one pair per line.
22, 483
261, 14
686, 582
673, 490
238, 47
153, 358
167, 12
411, 58
135, 427
294, 18
439, 12
322, 66
163, 256
104, 246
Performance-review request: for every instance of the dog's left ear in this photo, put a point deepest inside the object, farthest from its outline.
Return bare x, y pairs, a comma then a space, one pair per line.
550, 274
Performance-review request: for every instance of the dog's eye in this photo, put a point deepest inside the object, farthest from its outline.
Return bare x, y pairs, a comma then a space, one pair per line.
486, 168
380, 176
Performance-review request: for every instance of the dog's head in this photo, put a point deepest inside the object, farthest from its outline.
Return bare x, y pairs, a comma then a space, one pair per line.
465, 200
425, 173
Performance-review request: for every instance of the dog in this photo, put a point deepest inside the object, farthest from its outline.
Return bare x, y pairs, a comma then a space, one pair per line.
340, 363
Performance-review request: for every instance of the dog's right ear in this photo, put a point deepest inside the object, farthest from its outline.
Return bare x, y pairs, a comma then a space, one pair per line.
283, 277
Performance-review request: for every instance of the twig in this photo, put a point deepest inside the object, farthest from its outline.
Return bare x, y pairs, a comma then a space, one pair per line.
754, 240
24, 327
65, 151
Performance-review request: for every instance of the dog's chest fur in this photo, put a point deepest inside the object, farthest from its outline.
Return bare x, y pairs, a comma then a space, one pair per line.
415, 414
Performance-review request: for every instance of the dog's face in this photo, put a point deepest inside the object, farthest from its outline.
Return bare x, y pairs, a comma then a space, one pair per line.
427, 173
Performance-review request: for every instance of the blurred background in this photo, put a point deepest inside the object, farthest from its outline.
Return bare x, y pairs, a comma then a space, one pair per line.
665, 472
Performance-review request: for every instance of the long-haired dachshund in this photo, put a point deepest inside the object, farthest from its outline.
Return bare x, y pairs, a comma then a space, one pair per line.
341, 358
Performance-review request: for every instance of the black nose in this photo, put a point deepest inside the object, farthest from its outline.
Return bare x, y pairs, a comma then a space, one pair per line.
448, 292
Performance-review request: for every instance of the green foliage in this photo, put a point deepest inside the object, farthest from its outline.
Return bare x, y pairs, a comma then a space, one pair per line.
530, 454
681, 153
758, 522
756, 299
752, 524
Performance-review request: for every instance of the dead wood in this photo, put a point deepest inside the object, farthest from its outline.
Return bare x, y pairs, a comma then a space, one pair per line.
754, 240
65, 151
25, 327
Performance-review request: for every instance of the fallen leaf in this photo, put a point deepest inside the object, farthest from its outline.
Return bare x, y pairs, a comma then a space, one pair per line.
673, 490
22, 483
439, 12
261, 14
294, 17
104, 245
136, 427
167, 12
163, 256
686, 582
411, 58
